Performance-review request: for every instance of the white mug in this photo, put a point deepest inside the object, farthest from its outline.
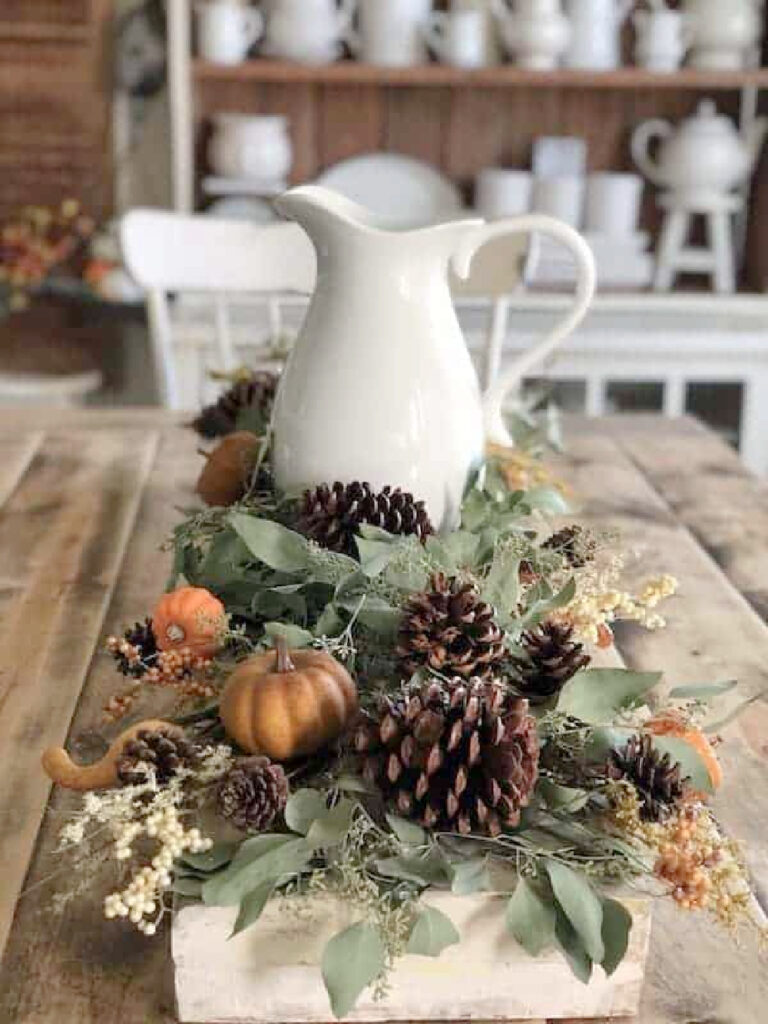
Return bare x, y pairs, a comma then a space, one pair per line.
596, 27
613, 204
663, 37
391, 32
560, 197
503, 193
227, 30
458, 37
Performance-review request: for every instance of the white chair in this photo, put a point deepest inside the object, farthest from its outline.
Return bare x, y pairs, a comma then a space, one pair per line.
170, 253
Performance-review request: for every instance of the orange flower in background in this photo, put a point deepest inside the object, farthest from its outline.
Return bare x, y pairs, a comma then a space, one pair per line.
671, 724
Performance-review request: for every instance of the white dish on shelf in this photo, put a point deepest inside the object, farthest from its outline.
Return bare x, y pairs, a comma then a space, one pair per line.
407, 192
214, 185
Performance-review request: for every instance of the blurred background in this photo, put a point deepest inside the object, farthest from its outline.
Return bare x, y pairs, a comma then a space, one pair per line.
640, 124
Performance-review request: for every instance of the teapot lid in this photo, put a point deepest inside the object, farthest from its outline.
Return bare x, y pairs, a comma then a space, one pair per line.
707, 121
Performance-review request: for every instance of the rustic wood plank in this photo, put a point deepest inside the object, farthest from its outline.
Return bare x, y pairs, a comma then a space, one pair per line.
79, 966
63, 534
710, 491
16, 453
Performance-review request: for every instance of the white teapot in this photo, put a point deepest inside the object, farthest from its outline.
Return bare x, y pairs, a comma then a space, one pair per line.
310, 31
725, 32
534, 32
706, 156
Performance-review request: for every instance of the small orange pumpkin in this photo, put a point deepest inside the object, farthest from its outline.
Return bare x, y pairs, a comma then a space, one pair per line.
669, 724
228, 469
189, 617
287, 704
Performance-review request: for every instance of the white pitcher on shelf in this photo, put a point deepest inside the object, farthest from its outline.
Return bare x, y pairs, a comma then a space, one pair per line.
380, 385
596, 27
726, 33
311, 31
662, 37
535, 32
390, 33
226, 30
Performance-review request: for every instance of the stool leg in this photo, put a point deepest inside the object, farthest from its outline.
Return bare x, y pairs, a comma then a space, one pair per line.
673, 237
721, 243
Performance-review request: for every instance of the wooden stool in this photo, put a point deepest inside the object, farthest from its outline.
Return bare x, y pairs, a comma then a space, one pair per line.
675, 256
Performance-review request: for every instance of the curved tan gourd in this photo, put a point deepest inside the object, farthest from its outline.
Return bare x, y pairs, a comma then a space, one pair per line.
228, 468
60, 767
288, 704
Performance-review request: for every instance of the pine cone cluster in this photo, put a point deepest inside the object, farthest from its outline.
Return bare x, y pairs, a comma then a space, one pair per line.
161, 751
252, 793
657, 779
332, 516
551, 658
251, 397
449, 628
574, 544
457, 756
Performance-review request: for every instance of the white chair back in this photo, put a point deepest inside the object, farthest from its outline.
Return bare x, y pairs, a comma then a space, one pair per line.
171, 253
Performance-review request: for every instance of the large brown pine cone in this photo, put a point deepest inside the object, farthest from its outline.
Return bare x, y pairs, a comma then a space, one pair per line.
551, 658
161, 751
251, 398
252, 793
332, 516
453, 755
448, 628
657, 779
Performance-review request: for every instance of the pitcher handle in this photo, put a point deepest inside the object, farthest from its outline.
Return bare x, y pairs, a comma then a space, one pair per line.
434, 30
493, 400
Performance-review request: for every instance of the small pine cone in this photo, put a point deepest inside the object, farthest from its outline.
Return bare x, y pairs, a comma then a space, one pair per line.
453, 755
658, 780
253, 397
142, 639
451, 630
252, 794
161, 750
575, 545
332, 516
552, 657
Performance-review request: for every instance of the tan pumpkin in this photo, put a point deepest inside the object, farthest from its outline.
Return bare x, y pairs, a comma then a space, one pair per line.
190, 617
288, 704
228, 469
61, 769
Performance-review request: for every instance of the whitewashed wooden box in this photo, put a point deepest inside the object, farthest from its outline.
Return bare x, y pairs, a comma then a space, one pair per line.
270, 973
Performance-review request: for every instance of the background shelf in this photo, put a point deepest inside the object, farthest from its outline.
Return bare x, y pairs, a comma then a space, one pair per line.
352, 72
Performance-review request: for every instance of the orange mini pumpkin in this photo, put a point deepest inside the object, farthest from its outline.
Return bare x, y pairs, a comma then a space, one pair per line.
190, 617
288, 704
228, 469
669, 724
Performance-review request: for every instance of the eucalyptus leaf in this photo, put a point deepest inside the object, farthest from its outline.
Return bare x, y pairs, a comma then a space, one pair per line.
546, 499
602, 740
211, 860
572, 947
258, 864
252, 906
330, 828
352, 959
432, 932
596, 695
303, 808
703, 693
530, 917
617, 924
470, 876
562, 798
581, 905
375, 555
408, 833
330, 623
269, 542
380, 617
352, 784
690, 760
184, 885
501, 587
428, 869
294, 636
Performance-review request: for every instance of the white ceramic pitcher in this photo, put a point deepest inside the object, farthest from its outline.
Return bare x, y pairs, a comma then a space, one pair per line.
596, 33
311, 31
380, 386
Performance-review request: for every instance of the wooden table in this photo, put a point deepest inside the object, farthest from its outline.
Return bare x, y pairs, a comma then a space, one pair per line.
87, 499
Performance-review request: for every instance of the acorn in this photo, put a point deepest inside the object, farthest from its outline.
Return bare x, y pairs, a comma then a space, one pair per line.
228, 469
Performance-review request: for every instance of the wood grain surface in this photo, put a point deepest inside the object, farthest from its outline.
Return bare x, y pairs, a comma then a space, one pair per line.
87, 500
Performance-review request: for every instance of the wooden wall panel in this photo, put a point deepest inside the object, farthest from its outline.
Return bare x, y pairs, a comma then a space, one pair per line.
416, 123
349, 122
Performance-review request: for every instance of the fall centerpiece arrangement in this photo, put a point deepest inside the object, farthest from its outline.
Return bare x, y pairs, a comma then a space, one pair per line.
333, 699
